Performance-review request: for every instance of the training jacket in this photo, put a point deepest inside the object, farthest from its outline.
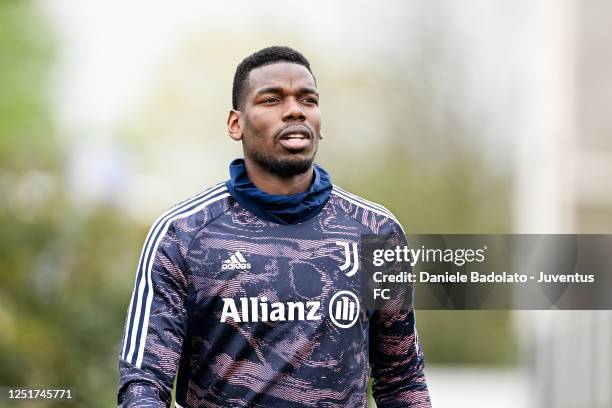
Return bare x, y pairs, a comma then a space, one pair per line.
248, 312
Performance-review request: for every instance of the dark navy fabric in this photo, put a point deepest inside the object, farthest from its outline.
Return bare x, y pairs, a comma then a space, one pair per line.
282, 209
211, 312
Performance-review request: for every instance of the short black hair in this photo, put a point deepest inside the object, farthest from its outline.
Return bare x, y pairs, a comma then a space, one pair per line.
266, 56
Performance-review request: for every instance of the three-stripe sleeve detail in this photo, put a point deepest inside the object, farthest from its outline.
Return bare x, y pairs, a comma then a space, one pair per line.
142, 296
368, 205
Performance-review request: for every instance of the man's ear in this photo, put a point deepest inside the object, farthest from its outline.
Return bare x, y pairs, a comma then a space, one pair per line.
233, 125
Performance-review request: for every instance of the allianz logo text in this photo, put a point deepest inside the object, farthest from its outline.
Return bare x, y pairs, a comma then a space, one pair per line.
343, 310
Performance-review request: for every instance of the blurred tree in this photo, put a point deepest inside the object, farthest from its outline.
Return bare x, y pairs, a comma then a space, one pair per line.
62, 274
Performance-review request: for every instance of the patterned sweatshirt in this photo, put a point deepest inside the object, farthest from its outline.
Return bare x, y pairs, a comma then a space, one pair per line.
244, 312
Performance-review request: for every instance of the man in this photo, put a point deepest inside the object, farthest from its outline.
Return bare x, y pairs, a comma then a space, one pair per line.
246, 292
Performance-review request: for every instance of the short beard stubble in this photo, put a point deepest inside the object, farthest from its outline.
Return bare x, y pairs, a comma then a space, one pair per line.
283, 167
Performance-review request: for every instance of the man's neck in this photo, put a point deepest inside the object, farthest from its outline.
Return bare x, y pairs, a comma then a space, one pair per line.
273, 184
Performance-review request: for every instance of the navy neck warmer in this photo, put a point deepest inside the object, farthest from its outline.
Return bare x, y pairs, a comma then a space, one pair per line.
281, 209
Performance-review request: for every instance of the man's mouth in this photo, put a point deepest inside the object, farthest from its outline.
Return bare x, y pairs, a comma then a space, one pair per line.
295, 139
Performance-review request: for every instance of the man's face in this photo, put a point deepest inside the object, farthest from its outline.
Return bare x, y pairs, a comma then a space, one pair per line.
280, 119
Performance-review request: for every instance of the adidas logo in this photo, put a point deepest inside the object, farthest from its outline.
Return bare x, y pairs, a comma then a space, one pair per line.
235, 261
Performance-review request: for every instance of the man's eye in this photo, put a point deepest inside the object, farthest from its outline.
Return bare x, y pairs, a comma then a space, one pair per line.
310, 100
270, 100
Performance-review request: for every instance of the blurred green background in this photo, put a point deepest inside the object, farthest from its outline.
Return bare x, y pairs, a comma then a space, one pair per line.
67, 274
404, 126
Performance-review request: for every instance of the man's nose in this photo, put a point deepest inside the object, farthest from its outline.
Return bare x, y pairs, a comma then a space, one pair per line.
293, 111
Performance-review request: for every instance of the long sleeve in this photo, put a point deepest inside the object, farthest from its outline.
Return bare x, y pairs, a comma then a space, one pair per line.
156, 322
396, 358
397, 361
